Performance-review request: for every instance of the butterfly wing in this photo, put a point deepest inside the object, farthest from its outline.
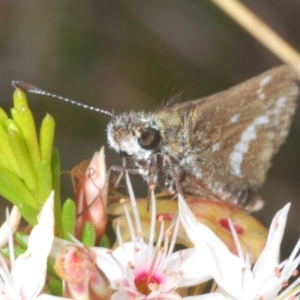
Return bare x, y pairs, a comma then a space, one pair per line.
229, 139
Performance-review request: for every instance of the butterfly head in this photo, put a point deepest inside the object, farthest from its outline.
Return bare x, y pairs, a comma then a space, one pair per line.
133, 134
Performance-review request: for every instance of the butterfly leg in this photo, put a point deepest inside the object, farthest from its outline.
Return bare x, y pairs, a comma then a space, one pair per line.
175, 176
121, 170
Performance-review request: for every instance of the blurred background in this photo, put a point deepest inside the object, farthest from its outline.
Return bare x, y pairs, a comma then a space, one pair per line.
133, 55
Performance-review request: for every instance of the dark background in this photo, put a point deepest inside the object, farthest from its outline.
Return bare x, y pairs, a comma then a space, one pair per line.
132, 55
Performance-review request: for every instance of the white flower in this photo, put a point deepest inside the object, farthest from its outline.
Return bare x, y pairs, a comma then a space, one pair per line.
28, 272
140, 270
234, 275
12, 222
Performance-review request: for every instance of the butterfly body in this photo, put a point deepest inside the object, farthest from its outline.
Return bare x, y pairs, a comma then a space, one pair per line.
220, 146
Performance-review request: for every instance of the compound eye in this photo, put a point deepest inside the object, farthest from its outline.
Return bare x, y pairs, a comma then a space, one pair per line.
149, 139
125, 154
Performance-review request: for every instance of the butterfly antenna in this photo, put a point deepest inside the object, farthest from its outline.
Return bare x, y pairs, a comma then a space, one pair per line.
27, 87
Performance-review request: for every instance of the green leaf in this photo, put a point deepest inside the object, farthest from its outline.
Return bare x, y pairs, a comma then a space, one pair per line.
25, 122
3, 117
28, 213
21, 154
14, 190
44, 181
5, 149
68, 218
55, 166
50, 267
105, 242
88, 237
19, 98
19, 237
47, 137
12, 187
3, 161
17, 251
55, 286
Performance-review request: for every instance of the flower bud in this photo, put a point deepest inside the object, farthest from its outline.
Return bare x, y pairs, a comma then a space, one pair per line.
82, 279
91, 197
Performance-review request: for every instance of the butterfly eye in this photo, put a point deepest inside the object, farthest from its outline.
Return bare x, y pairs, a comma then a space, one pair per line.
149, 139
125, 154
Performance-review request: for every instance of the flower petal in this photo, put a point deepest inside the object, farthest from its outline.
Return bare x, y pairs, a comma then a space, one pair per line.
191, 275
220, 260
29, 269
211, 296
14, 220
107, 264
269, 257
120, 295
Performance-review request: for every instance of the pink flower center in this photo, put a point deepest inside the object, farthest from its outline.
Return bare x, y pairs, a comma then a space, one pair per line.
146, 283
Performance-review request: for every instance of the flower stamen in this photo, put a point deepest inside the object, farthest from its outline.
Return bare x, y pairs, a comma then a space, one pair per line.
277, 272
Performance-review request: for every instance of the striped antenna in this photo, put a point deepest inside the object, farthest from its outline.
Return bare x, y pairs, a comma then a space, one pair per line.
27, 87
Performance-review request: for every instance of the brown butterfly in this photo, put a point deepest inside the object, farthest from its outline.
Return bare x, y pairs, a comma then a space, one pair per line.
219, 147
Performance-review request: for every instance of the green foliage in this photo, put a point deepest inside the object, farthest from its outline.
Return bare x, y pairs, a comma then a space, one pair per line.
28, 172
68, 218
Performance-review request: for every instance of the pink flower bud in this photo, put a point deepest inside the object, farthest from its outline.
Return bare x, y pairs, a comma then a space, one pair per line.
82, 278
91, 196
